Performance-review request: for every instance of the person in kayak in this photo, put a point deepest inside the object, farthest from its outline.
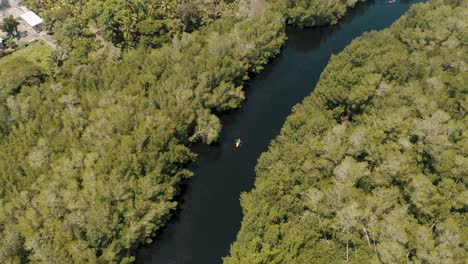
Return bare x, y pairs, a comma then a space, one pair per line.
238, 143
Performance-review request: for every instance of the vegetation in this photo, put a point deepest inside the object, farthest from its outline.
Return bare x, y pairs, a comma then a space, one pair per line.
91, 162
372, 167
36, 53
305, 13
152, 23
92, 153
9, 25
10, 43
128, 23
22, 68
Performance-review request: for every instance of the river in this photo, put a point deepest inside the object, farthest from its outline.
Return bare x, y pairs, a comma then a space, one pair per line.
209, 214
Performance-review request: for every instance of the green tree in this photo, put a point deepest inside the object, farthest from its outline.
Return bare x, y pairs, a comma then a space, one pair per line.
385, 185
9, 25
11, 43
91, 160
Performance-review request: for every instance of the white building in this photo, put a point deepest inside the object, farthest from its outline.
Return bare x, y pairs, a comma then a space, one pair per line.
32, 20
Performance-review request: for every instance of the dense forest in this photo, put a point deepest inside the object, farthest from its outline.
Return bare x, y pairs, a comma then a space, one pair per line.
152, 23
305, 13
372, 166
93, 146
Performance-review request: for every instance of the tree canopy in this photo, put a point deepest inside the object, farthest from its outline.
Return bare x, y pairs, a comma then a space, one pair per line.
93, 149
154, 22
9, 25
305, 13
372, 166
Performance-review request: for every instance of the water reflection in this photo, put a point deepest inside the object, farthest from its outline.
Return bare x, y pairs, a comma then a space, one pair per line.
316, 36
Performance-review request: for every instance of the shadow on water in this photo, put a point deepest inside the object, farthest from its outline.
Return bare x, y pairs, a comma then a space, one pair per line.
209, 214
303, 42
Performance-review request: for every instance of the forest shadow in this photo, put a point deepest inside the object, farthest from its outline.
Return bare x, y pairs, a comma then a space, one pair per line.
306, 39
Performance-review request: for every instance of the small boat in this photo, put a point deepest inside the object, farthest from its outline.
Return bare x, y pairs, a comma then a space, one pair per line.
238, 143
391, 1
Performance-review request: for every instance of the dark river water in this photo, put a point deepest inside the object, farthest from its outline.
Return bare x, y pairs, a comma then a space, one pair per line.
209, 214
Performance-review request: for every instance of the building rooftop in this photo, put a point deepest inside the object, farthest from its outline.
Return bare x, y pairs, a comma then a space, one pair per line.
31, 18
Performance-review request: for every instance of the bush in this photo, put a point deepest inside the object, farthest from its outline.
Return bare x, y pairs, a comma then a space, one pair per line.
10, 43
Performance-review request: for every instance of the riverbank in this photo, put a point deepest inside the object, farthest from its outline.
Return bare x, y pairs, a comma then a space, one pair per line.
93, 158
209, 215
371, 167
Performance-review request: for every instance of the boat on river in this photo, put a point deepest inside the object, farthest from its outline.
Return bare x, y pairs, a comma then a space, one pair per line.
391, 1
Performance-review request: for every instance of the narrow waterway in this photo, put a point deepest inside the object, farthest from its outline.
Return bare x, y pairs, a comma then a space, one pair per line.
209, 214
